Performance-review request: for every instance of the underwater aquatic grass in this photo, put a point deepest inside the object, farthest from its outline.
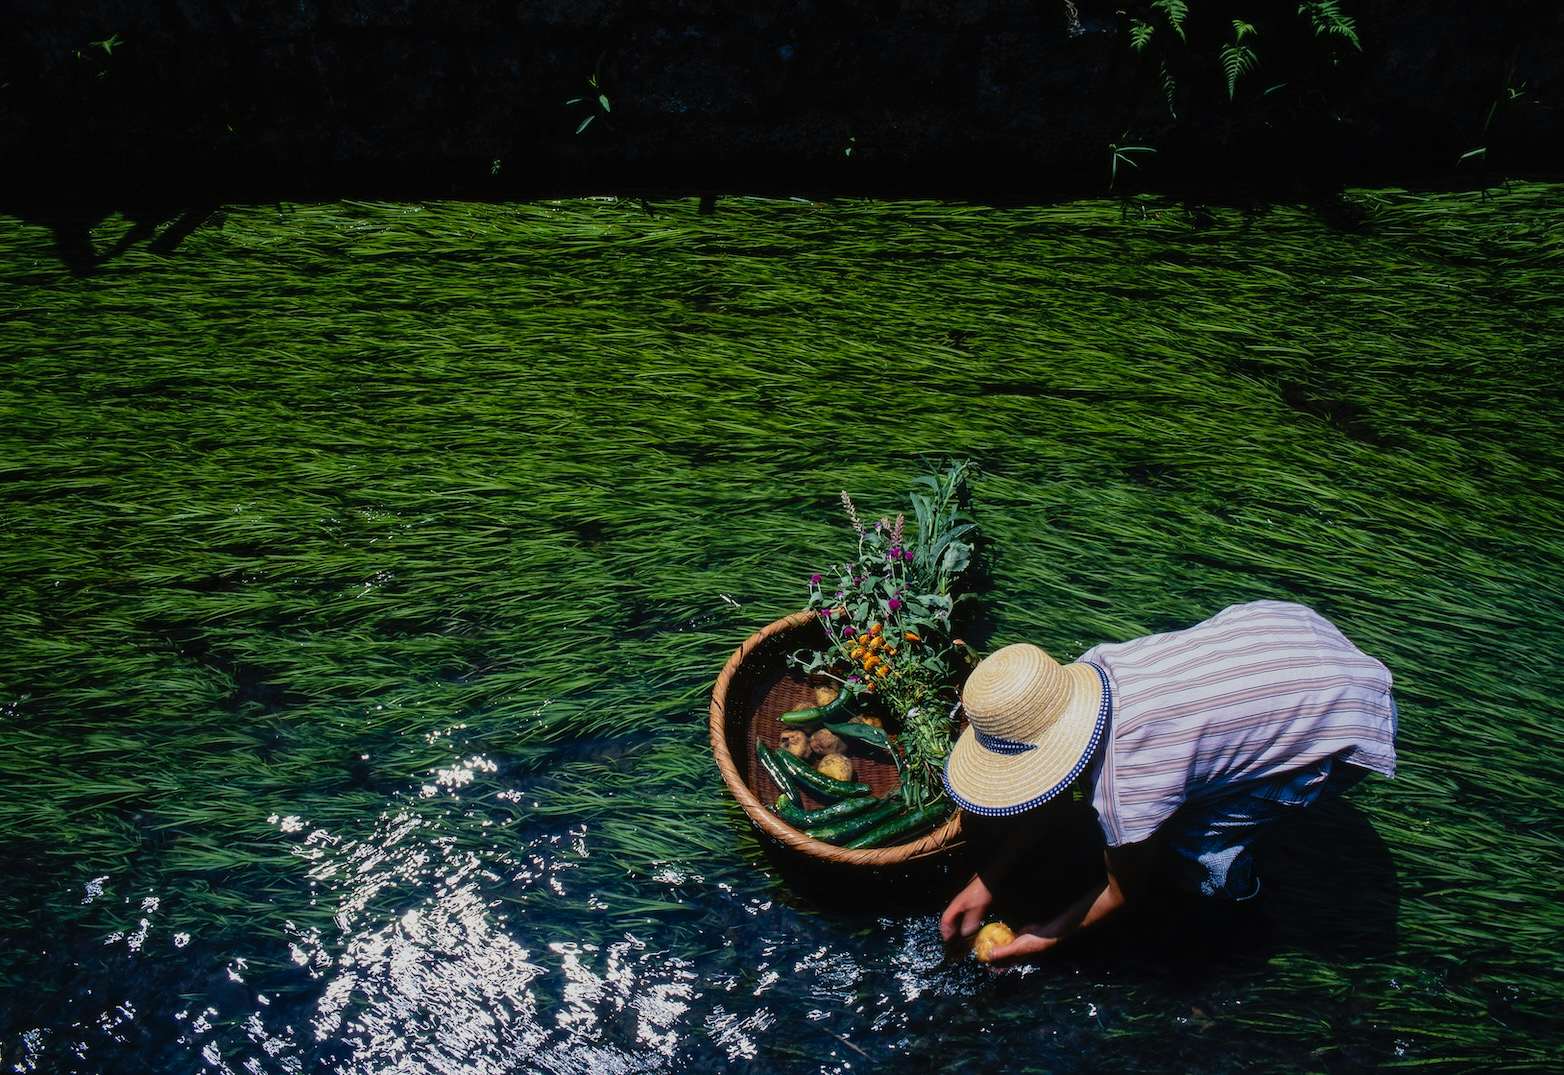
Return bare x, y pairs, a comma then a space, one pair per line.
362, 557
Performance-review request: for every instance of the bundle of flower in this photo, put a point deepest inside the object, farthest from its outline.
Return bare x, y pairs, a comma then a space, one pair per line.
889, 671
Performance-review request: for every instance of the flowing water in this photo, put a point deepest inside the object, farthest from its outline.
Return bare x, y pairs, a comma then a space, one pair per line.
366, 568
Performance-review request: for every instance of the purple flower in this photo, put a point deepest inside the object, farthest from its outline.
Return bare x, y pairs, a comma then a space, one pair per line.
893, 604
906, 554
849, 631
895, 552
814, 580
854, 679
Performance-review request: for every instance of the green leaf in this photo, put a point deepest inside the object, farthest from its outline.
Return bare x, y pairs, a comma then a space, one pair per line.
1122, 154
1237, 60
1140, 34
1169, 88
868, 733
957, 556
602, 99
923, 510
1176, 11
586, 123
1330, 21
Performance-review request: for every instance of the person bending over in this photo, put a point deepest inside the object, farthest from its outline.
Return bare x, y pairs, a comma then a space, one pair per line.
1199, 738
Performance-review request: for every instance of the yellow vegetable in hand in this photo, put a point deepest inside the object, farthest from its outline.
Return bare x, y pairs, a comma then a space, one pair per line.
836, 766
989, 938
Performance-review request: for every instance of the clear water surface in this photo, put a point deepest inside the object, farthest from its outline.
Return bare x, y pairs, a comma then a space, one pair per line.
366, 568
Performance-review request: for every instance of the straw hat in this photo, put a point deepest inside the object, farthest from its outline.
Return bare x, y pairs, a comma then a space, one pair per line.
1032, 727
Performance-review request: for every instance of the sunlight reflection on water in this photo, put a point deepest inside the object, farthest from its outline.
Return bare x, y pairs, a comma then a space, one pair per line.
428, 972
460, 938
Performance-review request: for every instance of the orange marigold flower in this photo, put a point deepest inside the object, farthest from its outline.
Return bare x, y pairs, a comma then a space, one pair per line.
875, 628
883, 670
912, 636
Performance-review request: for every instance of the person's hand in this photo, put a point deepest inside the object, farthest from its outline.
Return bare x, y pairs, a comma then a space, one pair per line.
1030, 942
966, 911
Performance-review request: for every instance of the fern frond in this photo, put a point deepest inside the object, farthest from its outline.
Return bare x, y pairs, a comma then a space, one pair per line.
1169, 88
1237, 61
1330, 21
1176, 11
1140, 34
1241, 29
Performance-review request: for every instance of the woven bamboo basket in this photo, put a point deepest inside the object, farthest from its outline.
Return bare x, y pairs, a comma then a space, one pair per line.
755, 688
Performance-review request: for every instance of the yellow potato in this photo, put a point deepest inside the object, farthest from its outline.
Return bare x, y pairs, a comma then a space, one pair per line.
794, 742
825, 741
989, 938
868, 718
825, 695
836, 766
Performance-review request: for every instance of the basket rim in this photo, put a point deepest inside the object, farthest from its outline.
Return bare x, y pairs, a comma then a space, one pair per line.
945, 838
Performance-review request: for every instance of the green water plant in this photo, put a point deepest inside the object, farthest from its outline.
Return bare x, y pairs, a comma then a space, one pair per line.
349, 492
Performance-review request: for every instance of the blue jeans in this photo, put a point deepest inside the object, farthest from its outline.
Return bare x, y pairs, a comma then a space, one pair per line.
1210, 840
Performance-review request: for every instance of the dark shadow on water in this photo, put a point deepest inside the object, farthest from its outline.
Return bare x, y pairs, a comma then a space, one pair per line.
916, 888
1330, 889
72, 228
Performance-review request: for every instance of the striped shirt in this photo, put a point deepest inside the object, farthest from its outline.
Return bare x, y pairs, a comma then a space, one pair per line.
1257, 691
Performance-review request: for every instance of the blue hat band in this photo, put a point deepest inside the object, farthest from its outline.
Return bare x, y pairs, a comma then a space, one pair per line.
1103, 711
1001, 745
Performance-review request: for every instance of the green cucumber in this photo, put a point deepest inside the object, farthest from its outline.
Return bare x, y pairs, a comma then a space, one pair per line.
838, 708
778, 774
785, 810
800, 819
914, 821
867, 733
818, 783
838, 832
